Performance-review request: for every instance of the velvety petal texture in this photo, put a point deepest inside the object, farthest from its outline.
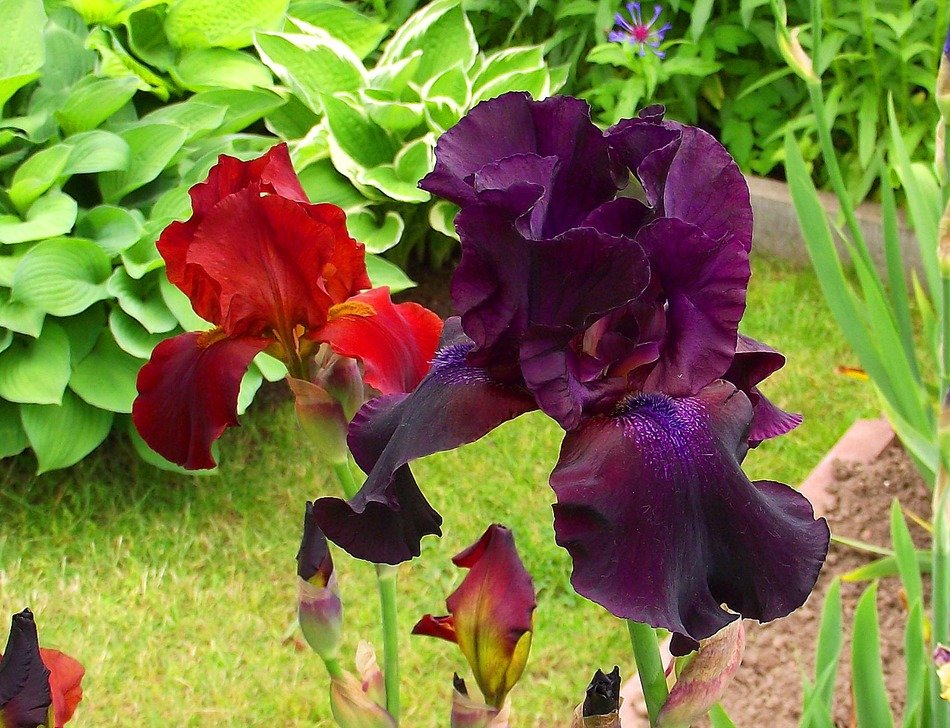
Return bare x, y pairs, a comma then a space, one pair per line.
25, 694
491, 613
660, 483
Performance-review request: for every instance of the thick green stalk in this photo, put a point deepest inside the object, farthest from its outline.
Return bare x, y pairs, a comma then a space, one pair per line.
646, 652
333, 667
386, 583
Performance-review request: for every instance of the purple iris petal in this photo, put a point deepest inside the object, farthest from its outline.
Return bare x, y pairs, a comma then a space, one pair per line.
704, 283
455, 404
664, 527
754, 362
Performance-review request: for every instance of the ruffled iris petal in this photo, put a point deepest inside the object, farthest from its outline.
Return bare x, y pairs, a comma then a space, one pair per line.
664, 527
187, 394
396, 342
25, 695
455, 404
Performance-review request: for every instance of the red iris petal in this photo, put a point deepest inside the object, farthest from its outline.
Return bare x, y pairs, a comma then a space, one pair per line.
396, 344
188, 395
441, 627
65, 682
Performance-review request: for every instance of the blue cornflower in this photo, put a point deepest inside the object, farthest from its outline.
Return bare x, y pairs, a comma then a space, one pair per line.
637, 33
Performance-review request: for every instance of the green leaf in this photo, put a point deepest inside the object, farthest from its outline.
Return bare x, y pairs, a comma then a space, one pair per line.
12, 437
98, 11
917, 662
323, 183
828, 651
509, 60
355, 141
37, 174
885, 567
394, 115
52, 214
37, 370
698, 18
377, 237
383, 273
93, 100
870, 693
116, 62
131, 336
62, 276
312, 65
147, 38
719, 718
453, 85
243, 107
83, 331
442, 218
22, 52
106, 377
113, 228
96, 151
537, 83
20, 318
250, 383
62, 435
273, 370
180, 306
152, 147
867, 128
442, 32
142, 300
905, 555
360, 32
195, 117
210, 23
142, 257
210, 68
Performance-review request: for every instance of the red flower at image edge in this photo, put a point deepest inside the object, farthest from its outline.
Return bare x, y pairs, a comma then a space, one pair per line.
273, 273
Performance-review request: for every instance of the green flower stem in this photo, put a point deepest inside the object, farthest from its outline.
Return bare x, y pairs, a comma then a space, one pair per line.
386, 583
386, 578
646, 652
333, 667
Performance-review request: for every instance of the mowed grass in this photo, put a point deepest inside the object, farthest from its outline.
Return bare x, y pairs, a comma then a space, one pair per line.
176, 592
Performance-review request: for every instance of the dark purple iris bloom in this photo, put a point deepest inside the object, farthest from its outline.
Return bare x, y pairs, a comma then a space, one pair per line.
617, 315
25, 696
636, 32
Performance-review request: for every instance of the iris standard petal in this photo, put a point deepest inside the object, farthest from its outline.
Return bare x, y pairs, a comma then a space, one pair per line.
395, 343
455, 404
704, 282
664, 527
25, 695
187, 394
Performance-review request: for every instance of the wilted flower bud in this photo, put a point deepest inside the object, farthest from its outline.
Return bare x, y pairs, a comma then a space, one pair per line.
703, 681
795, 55
319, 608
358, 703
341, 377
601, 706
468, 713
942, 663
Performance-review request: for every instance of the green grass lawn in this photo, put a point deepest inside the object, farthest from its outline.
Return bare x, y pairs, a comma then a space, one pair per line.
175, 592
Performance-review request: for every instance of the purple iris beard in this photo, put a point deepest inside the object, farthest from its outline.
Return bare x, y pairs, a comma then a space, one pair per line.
619, 319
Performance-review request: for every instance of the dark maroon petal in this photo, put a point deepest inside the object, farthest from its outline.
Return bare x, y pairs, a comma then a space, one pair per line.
25, 695
704, 282
314, 562
187, 394
455, 404
664, 527
517, 185
753, 362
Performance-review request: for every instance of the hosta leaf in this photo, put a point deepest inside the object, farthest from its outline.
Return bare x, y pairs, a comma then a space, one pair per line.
210, 68
52, 214
509, 60
131, 336
21, 318
116, 62
378, 238
415, 160
323, 183
143, 257
209, 23
312, 64
180, 306
383, 273
8, 266
147, 38
106, 377
537, 83
393, 115
395, 75
62, 276
243, 107
360, 32
142, 300
195, 117
152, 147
250, 383
12, 437
36, 370
96, 151
387, 180
443, 34
114, 229
361, 140
156, 460
22, 51
37, 174
442, 218
451, 84
6, 338
83, 331
272, 369
62, 435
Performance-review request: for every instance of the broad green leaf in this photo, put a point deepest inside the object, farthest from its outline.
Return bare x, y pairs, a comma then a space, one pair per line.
699, 17
8, 266
312, 65
360, 32
355, 140
377, 237
387, 180
98, 11
131, 336
442, 32
537, 83
93, 100
68, 61
20, 318
152, 147
6, 338
273, 370
62, 435
180, 306
212, 23
442, 218
323, 183
62, 276
153, 458
52, 214
36, 370
83, 331
12, 437
114, 229
250, 383
383, 273
116, 62
415, 160
509, 60
396, 75
243, 107
142, 300
719, 718
870, 693
210, 68
400, 180
106, 377
195, 117
143, 257
37, 174
147, 38
393, 115
96, 151
452, 84
22, 52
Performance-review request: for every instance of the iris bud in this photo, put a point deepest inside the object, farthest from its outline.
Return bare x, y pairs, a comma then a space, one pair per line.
796, 57
358, 703
942, 663
319, 609
469, 713
601, 706
322, 418
943, 81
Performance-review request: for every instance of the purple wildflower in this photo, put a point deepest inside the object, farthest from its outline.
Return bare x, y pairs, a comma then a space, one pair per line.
637, 33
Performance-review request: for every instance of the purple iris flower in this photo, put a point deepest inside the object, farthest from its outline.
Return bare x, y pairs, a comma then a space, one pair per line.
617, 316
637, 33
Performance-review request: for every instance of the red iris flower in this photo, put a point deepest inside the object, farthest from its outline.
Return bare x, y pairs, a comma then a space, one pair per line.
273, 273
